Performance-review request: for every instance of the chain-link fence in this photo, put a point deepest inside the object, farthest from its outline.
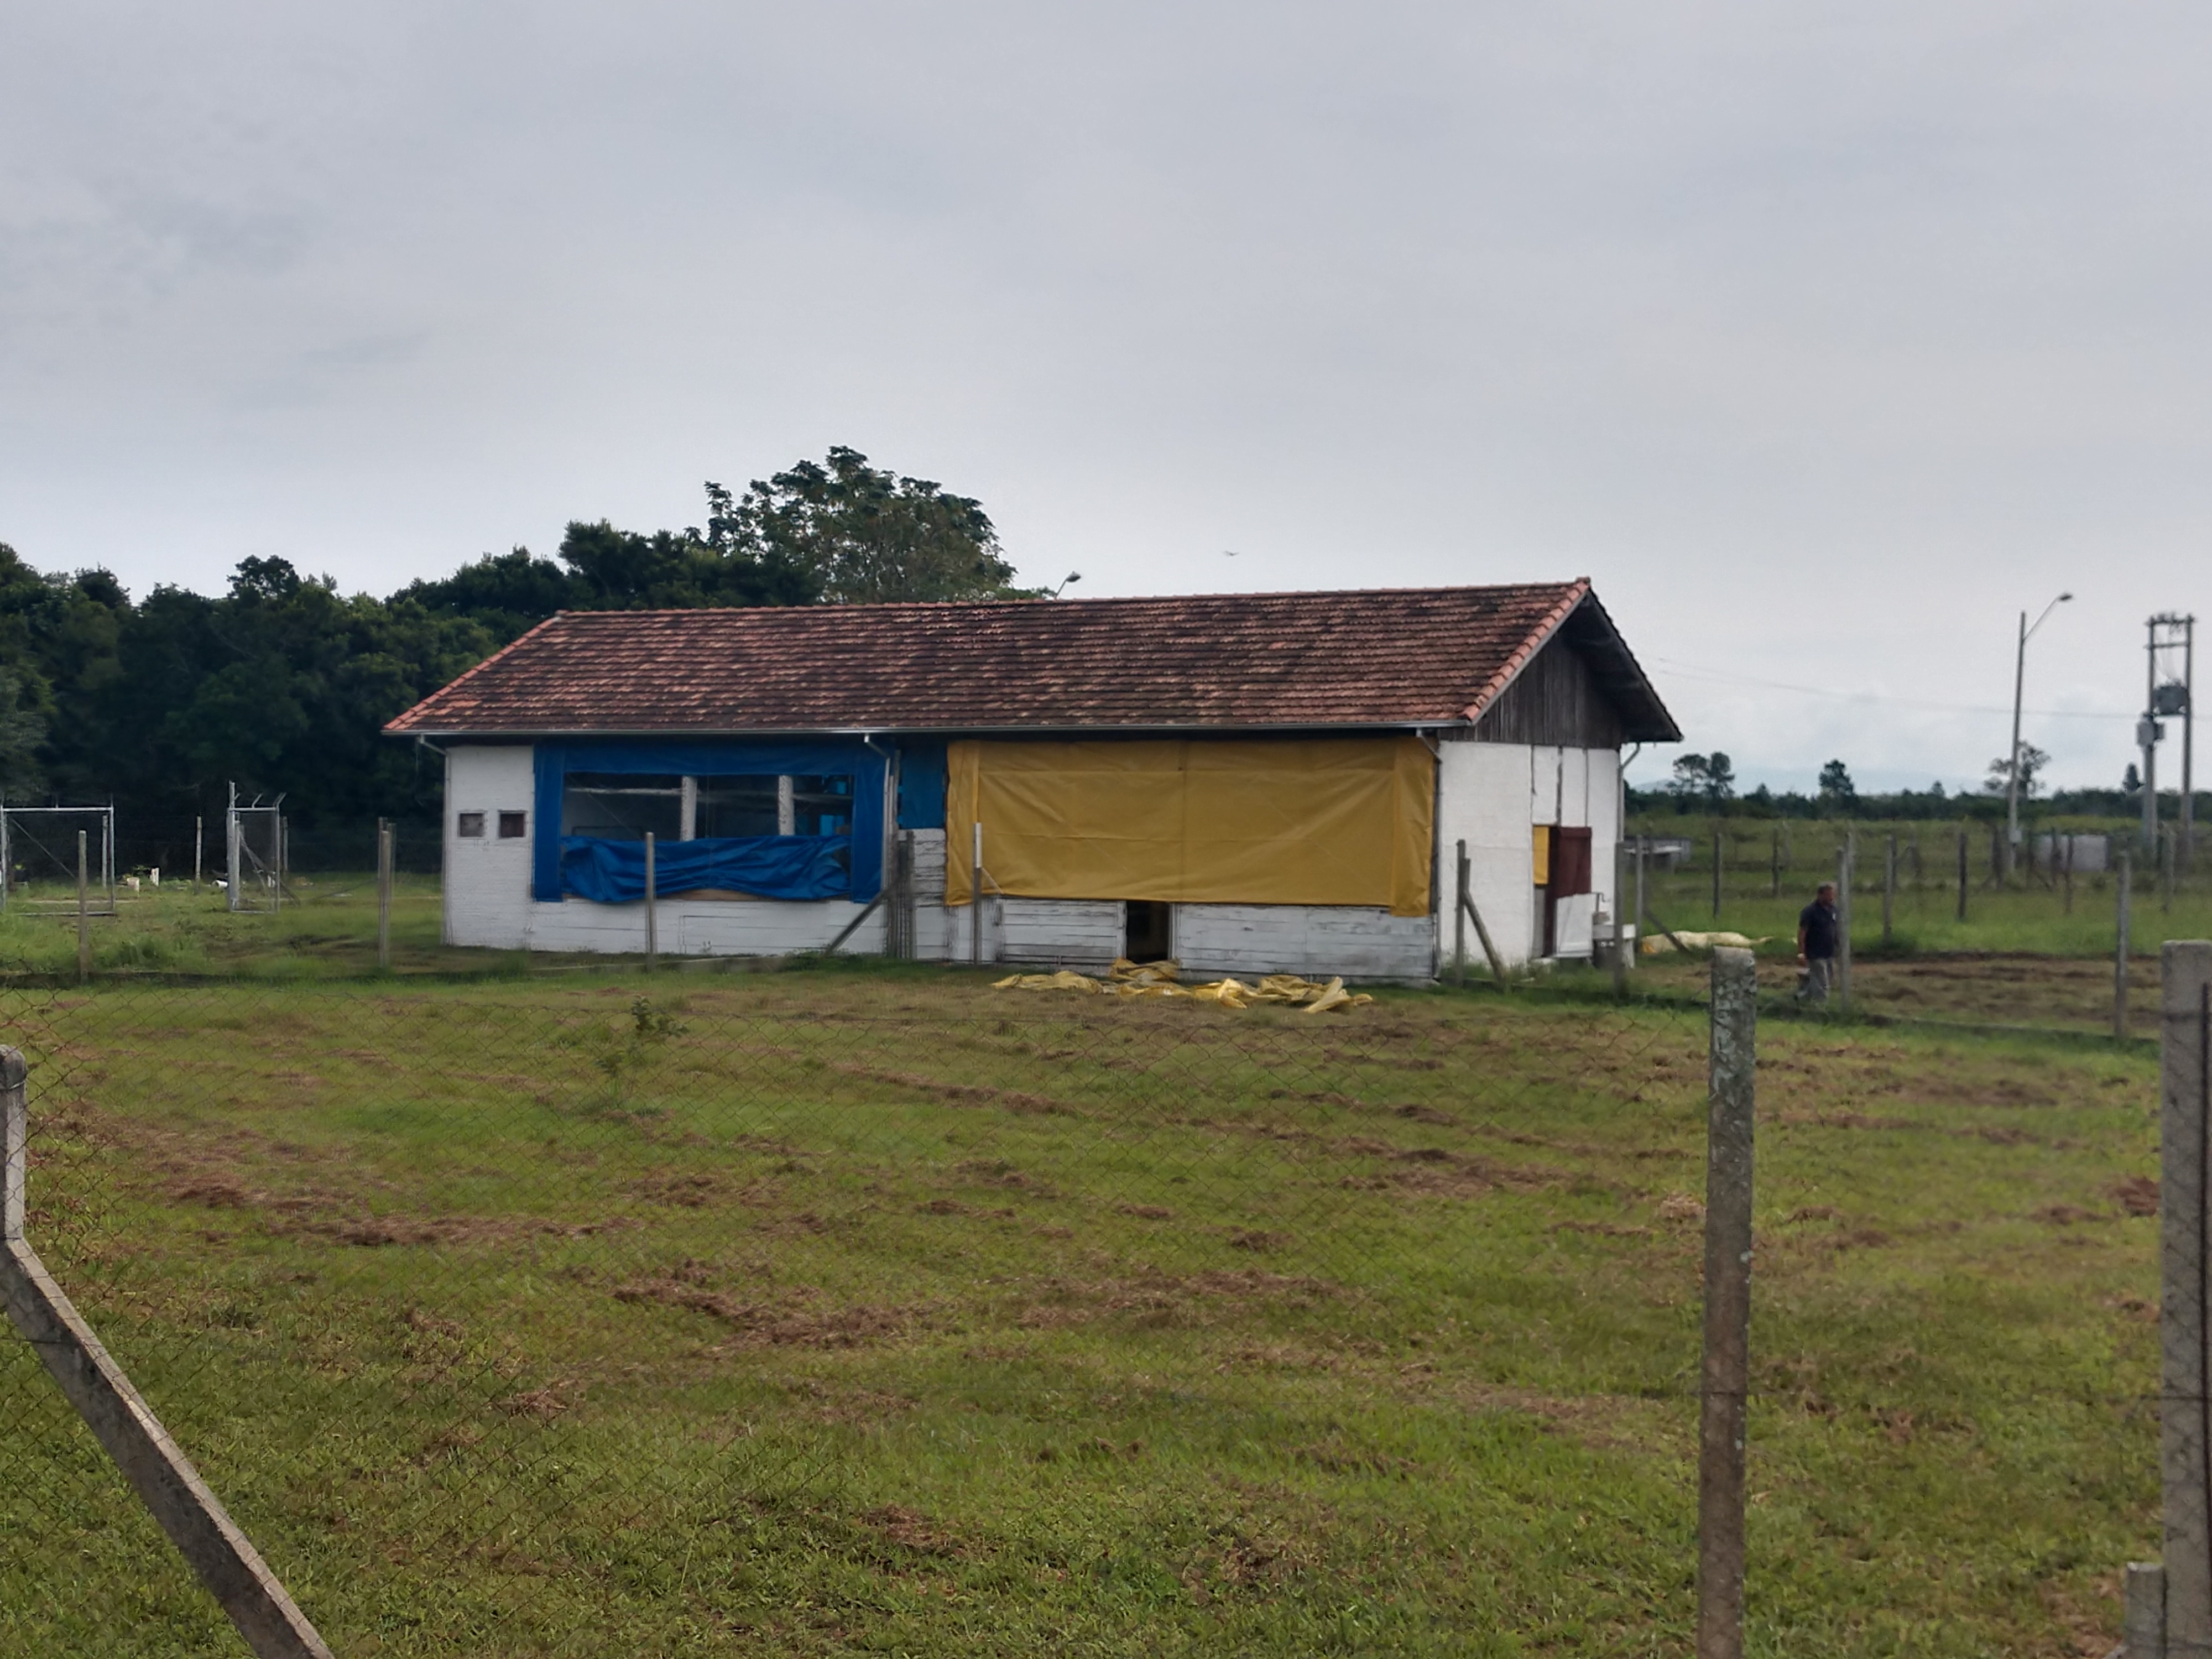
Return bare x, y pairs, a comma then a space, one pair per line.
876, 1309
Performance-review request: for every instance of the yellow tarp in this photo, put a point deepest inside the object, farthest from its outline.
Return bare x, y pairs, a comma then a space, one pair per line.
1162, 979
1292, 820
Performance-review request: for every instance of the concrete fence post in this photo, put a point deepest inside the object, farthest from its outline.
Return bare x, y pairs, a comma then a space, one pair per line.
221, 1556
1726, 1379
2184, 1431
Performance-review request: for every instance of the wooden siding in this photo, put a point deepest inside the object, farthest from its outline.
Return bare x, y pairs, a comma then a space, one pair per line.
1555, 700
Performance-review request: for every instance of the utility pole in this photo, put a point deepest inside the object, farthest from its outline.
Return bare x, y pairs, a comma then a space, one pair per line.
2012, 764
2185, 846
2162, 697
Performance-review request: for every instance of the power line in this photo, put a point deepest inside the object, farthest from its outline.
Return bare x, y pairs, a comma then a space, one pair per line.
1698, 671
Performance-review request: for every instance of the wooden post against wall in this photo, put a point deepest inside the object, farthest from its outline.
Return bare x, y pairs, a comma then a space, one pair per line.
652, 908
1459, 917
975, 903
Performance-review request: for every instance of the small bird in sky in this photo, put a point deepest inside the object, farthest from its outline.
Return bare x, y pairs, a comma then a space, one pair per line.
1228, 553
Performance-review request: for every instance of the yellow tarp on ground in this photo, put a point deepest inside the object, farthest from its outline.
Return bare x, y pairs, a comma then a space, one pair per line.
1290, 821
1163, 979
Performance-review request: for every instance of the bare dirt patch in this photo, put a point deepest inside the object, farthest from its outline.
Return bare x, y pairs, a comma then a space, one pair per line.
1165, 1298
2137, 1195
791, 1319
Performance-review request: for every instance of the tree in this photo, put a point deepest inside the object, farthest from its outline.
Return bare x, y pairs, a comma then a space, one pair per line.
2031, 763
604, 569
1705, 779
22, 730
863, 535
1837, 792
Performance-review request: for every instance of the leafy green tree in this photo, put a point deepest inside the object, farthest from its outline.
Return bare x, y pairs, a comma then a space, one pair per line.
862, 534
2033, 761
1707, 780
1837, 792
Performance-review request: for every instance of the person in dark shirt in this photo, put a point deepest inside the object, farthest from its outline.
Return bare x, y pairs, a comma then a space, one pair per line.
1817, 926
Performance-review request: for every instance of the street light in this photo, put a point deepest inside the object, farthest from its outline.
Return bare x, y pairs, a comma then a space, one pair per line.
2012, 767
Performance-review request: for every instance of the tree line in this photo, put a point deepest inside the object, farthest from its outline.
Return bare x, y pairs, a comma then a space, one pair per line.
1706, 785
282, 683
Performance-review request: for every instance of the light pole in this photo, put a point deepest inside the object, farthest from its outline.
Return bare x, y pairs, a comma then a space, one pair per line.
2012, 766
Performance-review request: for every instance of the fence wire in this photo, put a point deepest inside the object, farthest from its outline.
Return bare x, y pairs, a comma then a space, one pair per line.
883, 1311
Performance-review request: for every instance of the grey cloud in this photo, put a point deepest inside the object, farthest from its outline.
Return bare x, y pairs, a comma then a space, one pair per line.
1824, 338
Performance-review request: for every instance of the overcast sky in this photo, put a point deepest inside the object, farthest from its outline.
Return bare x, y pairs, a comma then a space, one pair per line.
1824, 338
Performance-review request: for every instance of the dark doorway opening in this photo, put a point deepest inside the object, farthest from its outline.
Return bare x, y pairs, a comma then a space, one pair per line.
1149, 934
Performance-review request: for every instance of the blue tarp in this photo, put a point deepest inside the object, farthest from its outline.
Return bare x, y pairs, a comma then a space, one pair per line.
828, 757
921, 786
769, 866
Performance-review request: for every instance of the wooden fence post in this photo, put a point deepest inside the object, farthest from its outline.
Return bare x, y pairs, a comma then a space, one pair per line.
2125, 906
1844, 862
219, 1554
2185, 1432
652, 908
83, 914
1962, 874
383, 895
1458, 918
1717, 875
1726, 1370
1888, 890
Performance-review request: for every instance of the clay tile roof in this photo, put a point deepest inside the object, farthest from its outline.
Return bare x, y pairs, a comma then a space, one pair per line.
1391, 657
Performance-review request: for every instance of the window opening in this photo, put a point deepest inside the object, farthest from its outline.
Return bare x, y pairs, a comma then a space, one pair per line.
615, 806
469, 825
513, 825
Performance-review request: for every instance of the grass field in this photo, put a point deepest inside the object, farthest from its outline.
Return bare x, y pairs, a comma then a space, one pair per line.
869, 1310
2031, 913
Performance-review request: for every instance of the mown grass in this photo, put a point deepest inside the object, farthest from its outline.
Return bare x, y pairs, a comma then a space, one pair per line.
2028, 913
875, 1311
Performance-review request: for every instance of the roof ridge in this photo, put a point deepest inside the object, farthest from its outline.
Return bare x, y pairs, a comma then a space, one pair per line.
1084, 599
1495, 686
1350, 657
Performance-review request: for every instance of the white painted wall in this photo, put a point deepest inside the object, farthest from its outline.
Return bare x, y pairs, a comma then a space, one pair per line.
1357, 941
1491, 795
1084, 934
705, 927
487, 880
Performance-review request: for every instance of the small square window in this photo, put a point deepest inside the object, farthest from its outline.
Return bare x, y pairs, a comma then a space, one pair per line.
471, 824
512, 826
